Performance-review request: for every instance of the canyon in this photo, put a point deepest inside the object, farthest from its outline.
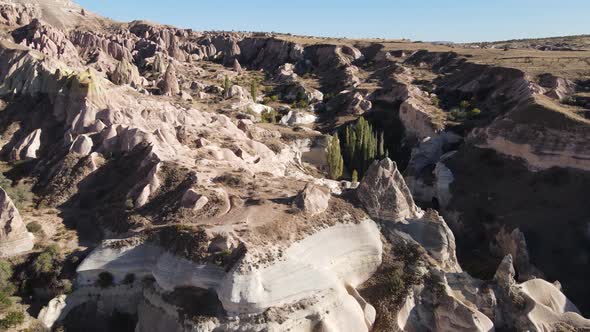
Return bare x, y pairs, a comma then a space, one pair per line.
155, 178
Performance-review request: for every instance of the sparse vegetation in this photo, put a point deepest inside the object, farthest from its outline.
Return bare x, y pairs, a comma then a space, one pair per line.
6, 287
435, 101
335, 161
12, 319
230, 180
21, 194
268, 116
34, 227
254, 89
463, 112
46, 262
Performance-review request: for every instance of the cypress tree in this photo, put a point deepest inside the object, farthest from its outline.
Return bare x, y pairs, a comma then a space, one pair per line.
335, 161
355, 176
254, 90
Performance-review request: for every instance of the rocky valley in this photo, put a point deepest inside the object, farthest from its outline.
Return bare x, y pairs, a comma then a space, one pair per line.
154, 178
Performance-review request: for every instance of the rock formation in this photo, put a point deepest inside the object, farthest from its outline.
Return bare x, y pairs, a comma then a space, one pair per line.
211, 211
14, 237
313, 199
169, 84
126, 73
385, 195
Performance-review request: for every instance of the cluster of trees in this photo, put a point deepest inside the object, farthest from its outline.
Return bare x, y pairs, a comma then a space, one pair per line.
361, 145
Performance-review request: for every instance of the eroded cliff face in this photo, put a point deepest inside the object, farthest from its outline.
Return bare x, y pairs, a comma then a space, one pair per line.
217, 218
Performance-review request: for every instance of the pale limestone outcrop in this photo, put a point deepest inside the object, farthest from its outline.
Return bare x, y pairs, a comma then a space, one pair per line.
238, 92
53, 311
17, 14
349, 101
550, 308
384, 193
169, 84
296, 118
47, 40
514, 244
28, 148
191, 199
293, 89
14, 237
505, 273
149, 186
82, 145
237, 67
126, 73
313, 199
335, 258
433, 234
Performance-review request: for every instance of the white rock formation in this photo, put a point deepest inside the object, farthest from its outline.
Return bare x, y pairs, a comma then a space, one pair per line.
28, 147
384, 193
313, 199
14, 237
297, 118
82, 145
318, 268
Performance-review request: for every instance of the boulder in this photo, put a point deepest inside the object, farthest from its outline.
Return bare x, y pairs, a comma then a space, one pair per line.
313, 199
14, 237
193, 200
296, 118
223, 242
385, 195
82, 145
238, 92
28, 147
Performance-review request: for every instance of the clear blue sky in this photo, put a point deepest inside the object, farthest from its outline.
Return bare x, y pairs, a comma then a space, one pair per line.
428, 20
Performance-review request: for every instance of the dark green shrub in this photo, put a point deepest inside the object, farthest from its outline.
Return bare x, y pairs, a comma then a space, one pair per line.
105, 280
34, 227
268, 116
46, 262
129, 279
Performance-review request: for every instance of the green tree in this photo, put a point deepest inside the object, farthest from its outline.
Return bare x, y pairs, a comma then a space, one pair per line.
226, 84
355, 176
334, 156
361, 145
254, 90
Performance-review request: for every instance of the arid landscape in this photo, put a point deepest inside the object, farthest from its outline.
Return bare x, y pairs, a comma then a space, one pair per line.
155, 178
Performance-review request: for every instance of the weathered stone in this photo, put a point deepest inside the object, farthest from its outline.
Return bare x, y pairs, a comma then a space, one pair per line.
384, 193
169, 85
313, 199
14, 237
